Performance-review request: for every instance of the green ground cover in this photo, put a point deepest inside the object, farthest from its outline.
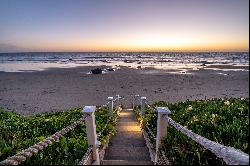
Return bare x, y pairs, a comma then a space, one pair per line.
225, 121
19, 132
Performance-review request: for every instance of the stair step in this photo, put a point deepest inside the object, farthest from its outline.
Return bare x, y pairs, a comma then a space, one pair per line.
128, 109
129, 134
120, 141
127, 153
130, 119
133, 123
126, 120
125, 162
128, 128
129, 112
126, 114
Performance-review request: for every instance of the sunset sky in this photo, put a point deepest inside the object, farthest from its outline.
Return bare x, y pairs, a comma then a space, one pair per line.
124, 25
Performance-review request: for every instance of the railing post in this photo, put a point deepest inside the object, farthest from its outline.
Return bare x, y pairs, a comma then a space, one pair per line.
91, 131
143, 99
118, 98
161, 127
135, 101
111, 106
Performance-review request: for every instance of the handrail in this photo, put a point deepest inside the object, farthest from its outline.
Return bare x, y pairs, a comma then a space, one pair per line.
100, 108
164, 159
150, 132
146, 102
117, 98
230, 155
105, 104
86, 156
24, 154
104, 128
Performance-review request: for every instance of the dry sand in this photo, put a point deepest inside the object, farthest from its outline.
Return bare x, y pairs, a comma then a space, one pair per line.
59, 89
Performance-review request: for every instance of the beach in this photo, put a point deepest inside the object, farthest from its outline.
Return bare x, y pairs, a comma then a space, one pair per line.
58, 89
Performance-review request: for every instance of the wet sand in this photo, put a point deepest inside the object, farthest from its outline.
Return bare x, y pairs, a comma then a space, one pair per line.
60, 88
228, 67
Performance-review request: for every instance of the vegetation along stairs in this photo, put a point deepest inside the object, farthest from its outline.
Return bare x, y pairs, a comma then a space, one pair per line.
127, 146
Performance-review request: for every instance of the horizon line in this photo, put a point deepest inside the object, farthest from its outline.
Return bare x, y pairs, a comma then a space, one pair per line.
116, 51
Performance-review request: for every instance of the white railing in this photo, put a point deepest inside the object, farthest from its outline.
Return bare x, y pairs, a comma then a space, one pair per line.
230, 155
25, 154
92, 154
148, 133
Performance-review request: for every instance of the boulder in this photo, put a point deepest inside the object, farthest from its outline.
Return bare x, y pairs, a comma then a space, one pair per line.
110, 69
96, 71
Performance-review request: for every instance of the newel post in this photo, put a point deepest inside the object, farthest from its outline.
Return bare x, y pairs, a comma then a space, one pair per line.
118, 98
161, 127
136, 99
143, 100
91, 131
111, 106
133, 101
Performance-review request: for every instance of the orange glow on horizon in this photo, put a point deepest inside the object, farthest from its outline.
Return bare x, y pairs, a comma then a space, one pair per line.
185, 46
146, 41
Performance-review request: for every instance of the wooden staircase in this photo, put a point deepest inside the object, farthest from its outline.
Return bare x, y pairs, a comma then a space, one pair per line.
127, 146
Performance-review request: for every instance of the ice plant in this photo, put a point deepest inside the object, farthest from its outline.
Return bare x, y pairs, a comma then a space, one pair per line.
190, 108
213, 119
18, 132
195, 119
227, 102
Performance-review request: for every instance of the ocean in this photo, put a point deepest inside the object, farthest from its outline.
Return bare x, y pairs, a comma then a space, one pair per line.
42, 60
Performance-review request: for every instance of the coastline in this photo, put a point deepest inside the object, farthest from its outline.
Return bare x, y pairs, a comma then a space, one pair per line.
57, 89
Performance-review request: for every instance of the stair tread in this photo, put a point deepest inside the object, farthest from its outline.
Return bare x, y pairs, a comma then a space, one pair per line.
126, 120
133, 123
128, 138
128, 128
129, 135
127, 153
127, 142
125, 162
